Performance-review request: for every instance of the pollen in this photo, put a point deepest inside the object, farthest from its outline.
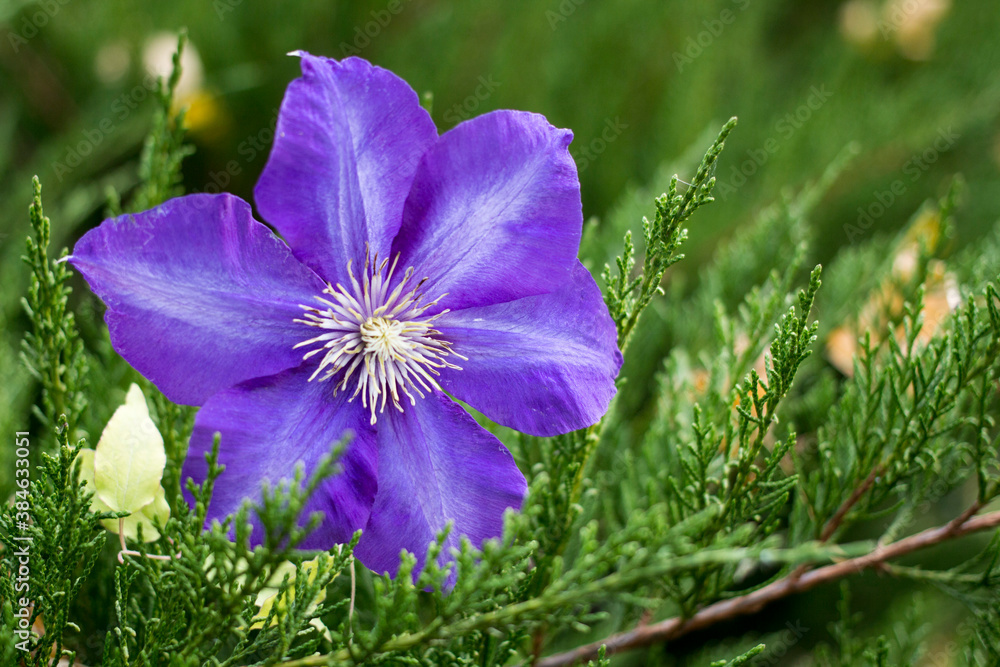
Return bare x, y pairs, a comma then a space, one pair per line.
378, 339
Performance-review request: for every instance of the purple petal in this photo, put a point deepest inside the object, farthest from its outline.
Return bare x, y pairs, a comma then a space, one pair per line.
494, 213
436, 464
267, 427
348, 141
200, 295
543, 365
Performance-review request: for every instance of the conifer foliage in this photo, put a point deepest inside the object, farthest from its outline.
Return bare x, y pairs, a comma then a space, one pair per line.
764, 468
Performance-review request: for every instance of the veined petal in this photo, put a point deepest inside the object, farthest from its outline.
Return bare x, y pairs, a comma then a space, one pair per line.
269, 425
156, 508
543, 365
200, 295
348, 141
494, 213
129, 458
436, 464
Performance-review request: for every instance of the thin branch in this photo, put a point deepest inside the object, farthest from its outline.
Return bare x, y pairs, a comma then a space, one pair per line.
724, 610
838, 518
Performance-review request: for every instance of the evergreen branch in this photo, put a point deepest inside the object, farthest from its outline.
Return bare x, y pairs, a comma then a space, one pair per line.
735, 662
627, 296
831, 526
66, 541
673, 628
565, 594
52, 350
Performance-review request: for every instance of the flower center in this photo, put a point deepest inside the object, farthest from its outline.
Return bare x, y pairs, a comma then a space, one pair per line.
378, 338
383, 337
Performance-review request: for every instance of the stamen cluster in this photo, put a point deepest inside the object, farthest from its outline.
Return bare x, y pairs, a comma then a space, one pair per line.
378, 335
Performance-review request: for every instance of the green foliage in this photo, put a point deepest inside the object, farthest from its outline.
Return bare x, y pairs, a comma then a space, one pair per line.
913, 423
742, 659
65, 543
627, 296
602, 660
910, 642
52, 349
197, 605
756, 464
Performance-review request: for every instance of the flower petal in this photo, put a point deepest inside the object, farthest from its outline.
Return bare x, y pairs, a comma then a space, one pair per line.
86, 458
348, 141
157, 508
129, 458
494, 213
267, 427
543, 365
200, 296
436, 464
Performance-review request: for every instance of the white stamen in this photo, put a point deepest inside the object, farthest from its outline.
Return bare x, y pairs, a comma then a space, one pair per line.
382, 335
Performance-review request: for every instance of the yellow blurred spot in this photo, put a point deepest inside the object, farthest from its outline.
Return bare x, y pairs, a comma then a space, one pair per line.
205, 116
859, 21
908, 25
913, 24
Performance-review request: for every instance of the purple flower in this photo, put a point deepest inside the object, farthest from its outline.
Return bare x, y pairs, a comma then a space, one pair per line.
418, 266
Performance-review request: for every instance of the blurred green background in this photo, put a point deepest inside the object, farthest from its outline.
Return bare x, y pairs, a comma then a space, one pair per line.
638, 82
643, 84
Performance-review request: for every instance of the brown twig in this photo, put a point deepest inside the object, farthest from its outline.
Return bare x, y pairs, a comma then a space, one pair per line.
724, 610
838, 518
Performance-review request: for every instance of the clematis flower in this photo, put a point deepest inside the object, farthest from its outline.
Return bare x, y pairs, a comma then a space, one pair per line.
417, 268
